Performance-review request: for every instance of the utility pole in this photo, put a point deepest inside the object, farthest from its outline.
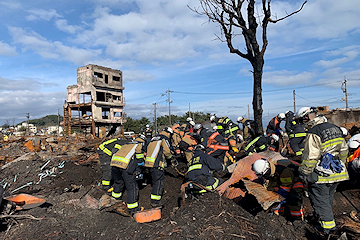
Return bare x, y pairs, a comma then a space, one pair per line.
189, 111
155, 119
248, 112
58, 123
27, 122
344, 89
169, 101
294, 102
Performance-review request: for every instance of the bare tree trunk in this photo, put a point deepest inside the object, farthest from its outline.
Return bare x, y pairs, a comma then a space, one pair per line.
257, 95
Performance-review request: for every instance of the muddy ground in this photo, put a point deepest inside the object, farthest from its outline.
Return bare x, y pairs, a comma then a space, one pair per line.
69, 183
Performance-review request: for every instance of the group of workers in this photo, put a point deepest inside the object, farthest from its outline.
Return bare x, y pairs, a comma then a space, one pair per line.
319, 150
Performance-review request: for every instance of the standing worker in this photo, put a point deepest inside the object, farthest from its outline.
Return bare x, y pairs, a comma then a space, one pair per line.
157, 154
323, 165
106, 151
124, 169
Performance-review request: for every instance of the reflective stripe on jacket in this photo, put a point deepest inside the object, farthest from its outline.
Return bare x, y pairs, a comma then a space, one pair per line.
322, 138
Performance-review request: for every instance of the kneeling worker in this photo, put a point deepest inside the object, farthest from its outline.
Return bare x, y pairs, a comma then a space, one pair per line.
284, 180
201, 167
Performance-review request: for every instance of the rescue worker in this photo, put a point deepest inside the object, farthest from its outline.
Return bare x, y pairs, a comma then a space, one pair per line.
289, 122
200, 170
157, 154
226, 124
354, 162
178, 134
283, 178
261, 144
274, 125
248, 128
148, 133
124, 169
187, 144
188, 126
106, 151
215, 144
323, 165
297, 137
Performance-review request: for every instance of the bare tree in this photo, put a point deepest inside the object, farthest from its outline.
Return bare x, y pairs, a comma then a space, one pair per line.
228, 14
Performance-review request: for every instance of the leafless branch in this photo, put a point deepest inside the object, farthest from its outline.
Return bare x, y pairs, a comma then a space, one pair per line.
288, 15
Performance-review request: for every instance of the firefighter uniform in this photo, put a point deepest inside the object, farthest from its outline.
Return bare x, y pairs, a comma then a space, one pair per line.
296, 138
124, 164
216, 145
284, 179
227, 125
248, 129
187, 144
259, 144
273, 126
322, 138
200, 171
106, 151
176, 137
158, 151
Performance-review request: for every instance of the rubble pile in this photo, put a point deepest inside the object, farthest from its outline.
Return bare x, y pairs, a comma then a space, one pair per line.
66, 173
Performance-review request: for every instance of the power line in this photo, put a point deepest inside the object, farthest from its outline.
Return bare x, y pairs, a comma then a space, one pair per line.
239, 93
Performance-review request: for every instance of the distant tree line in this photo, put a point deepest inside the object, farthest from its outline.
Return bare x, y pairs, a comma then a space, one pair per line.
138, 125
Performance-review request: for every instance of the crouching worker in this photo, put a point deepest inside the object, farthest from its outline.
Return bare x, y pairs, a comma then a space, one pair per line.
200, 170
106, 150
124, 169
283, 178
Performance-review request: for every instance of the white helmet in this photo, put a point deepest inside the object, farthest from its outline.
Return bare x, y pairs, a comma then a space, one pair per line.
215, 128
169, 130
212, 118
356, 164
189, 119
192, 123
147, 125
260, 167
239, 119
344, 131
302, 112
281, 116
353, 144
275, 137
197, 126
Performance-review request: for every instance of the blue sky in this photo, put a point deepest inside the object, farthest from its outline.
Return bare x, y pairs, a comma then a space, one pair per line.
161, 45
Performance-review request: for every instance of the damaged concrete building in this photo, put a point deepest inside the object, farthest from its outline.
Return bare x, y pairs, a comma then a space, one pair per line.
96, 102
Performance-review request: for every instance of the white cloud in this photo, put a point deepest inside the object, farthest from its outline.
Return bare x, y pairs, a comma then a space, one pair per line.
63, 25
6, 49
350, 53
53, 50
21, 85
36, 14
38, 104
285, 77
136, 76
11, 4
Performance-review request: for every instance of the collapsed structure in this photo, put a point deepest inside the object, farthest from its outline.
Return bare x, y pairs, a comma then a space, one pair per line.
96, 101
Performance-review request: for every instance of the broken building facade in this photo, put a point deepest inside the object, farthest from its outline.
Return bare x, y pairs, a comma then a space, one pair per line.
96, 101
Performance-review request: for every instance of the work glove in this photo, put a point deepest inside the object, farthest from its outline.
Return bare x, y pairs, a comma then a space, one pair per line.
138, 174
336, 166
235, 149
275, 210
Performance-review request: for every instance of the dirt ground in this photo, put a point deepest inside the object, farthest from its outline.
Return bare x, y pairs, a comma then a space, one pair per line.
69, 182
